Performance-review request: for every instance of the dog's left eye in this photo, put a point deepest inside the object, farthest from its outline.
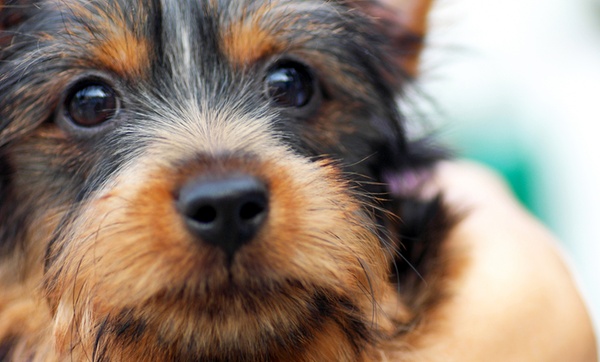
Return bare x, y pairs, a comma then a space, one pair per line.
290, 84
91, 104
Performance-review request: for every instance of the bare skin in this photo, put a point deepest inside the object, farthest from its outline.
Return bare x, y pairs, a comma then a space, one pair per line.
516, 300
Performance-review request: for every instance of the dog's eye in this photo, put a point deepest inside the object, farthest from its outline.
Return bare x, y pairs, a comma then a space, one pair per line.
92, 104
290, 84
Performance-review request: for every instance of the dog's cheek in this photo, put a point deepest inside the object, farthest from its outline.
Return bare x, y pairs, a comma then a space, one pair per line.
41, 174
48, 169
360, 136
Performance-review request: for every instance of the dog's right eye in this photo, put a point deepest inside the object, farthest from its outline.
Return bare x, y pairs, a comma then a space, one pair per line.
91, 104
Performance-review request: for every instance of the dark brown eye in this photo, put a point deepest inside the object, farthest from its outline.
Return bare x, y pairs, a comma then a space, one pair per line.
290, 84
91, 104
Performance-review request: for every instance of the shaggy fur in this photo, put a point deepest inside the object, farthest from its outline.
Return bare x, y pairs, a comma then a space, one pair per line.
98, 261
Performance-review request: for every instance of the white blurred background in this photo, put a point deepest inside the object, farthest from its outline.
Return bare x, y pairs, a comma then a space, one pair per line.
516, 84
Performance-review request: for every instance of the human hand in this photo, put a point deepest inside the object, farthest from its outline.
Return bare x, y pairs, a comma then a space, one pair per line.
514, 298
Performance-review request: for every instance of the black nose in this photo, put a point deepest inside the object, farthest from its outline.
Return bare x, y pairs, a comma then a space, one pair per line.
225, 212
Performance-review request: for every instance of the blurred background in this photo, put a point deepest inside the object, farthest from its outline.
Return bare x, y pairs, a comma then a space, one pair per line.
515, 84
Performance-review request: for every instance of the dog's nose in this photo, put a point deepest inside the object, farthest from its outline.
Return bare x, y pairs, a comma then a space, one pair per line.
225, 212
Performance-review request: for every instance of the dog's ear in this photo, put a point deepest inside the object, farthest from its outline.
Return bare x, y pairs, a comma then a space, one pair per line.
404, 23
401, 26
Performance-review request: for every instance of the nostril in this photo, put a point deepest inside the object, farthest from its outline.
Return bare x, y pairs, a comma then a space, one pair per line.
204, 214
252, 210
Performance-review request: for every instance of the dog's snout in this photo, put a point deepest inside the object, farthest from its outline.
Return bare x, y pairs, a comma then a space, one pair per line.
226, 212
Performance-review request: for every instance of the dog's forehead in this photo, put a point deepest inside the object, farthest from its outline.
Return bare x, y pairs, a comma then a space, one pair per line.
194, 38
123, 31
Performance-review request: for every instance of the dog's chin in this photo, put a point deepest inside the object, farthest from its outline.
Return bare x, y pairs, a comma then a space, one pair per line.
226, 310
259, 318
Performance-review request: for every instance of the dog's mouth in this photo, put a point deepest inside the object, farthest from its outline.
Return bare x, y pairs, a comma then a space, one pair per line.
275, 321
256, 296
235, 300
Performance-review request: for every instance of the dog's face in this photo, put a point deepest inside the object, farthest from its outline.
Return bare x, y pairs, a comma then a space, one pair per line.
200, 180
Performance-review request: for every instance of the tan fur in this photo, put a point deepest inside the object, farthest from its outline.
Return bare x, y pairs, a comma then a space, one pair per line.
119, 49
247, 41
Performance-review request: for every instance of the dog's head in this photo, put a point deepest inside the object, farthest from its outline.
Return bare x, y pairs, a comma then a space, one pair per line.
206, 180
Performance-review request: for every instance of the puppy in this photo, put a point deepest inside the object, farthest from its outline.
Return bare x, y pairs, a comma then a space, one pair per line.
213, 180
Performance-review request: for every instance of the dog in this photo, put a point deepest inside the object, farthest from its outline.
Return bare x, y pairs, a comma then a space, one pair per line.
214, 180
